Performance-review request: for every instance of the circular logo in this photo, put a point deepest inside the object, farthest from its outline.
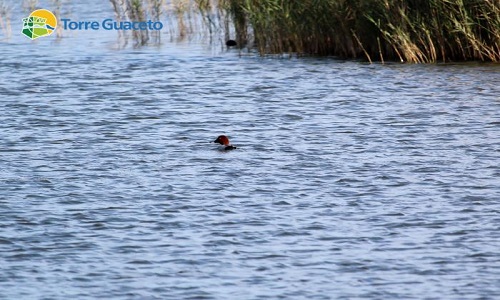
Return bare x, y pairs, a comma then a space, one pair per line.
40, 22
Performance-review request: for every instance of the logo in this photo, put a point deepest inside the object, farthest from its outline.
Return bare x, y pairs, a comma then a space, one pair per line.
110, 24
40, 22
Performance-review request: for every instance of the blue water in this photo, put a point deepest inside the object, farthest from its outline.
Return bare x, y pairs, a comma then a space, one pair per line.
350, 181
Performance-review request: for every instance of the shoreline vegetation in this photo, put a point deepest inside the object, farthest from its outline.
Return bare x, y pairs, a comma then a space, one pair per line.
412, 31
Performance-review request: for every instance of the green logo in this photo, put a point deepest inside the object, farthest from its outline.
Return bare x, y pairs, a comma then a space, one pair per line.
40, 22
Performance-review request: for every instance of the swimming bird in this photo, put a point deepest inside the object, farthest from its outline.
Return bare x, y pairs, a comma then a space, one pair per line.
223, 140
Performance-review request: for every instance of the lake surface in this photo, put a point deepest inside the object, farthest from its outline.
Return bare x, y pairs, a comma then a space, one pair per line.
350, 181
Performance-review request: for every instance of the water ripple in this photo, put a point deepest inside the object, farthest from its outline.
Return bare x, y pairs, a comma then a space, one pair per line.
350, 181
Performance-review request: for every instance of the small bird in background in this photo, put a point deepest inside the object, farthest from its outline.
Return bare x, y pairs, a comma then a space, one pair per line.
231, 43
223, 140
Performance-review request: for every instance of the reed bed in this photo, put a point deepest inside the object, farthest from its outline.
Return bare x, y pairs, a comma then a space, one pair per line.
181, 18
132, 10
406, 30
412, 31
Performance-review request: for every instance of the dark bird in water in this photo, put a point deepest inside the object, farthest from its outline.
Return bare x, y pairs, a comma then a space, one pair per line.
223, 140
231, 43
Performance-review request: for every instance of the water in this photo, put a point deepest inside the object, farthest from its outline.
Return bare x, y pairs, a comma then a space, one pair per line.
350, 181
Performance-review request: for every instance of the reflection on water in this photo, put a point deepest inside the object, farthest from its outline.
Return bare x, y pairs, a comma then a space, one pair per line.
350, 181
